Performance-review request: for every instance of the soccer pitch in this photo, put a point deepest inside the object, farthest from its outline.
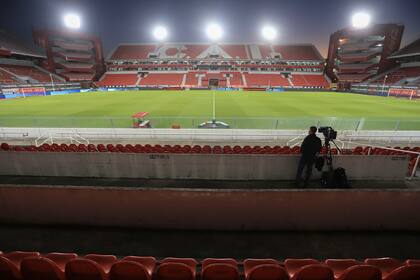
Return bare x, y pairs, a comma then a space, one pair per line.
240, 109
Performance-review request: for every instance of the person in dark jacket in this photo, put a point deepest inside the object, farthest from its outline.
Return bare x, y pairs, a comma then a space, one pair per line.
310, 147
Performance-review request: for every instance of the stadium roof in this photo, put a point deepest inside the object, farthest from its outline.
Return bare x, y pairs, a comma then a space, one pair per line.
11, 44
411, 49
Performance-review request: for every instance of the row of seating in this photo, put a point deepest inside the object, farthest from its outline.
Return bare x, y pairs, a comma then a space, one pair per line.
190, 79
29, 71
195, 51
60, 266
205, 149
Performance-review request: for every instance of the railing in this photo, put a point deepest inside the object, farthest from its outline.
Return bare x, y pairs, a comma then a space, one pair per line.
272, 123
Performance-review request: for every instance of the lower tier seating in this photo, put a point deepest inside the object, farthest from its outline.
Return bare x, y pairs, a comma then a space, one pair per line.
70, 266
162, 79
110, 80
31, 72
266, 80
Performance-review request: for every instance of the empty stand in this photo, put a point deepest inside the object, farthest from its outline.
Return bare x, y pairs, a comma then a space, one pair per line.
31, 72
110, 80
129, 52
266, 80
162, 79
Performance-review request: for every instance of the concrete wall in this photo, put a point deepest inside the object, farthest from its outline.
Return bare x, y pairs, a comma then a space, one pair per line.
354, 209
191, 166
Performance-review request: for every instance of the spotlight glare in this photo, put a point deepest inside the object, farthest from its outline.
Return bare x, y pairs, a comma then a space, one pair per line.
160, 33
72, 21
214, 31
361, 20
269, 33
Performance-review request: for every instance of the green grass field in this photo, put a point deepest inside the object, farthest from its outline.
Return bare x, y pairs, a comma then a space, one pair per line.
277, 110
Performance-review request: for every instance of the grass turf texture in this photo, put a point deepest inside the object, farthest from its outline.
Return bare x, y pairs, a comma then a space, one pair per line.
277, 110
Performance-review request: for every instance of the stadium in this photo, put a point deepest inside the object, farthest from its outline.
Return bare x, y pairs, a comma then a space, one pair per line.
180, 157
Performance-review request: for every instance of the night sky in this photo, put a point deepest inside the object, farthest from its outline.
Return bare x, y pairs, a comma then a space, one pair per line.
298, 21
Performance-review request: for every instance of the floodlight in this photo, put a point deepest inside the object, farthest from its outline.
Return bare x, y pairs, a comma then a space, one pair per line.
160, 33
72, 21
361, 20
269, 33
214, 31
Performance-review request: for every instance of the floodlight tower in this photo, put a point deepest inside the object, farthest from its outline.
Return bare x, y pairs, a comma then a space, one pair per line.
361, 20
72, 21
269, 33
160, 33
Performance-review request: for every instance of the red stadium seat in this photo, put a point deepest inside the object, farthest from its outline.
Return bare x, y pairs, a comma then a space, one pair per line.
5, 146
293, 265
132, 268
9, 270
40, 268
104, 261
148, 262
412, 261
61, 259
17, 257
358, 272
339, 265
84, 269
177, 269
264, 269
409, 272
313, 272
217, 150
386, 265
219, 269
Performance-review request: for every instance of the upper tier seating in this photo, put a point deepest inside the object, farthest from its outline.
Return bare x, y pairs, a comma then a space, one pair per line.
109, 80
236, 51
127, 52
304, 52
160, 79
33, 266
32, 72
265, 80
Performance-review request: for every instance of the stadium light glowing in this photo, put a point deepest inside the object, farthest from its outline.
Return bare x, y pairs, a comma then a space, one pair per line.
361, 20
214, 31
72, 21
269, 33
160, 33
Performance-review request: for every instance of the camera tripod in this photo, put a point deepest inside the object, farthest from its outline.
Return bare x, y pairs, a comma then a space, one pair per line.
328, 176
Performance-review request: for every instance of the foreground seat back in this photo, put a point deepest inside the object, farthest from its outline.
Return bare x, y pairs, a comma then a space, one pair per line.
359, 272
40, 268
293, 265
128, 270
177, 269
264, 269
149, 263
220, 269
8, 270
104, 261
339, 265
412, 261
314, 272
84, 269
386, 265
409, 272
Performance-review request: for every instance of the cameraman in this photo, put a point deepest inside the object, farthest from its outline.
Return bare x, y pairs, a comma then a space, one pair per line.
310, 147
